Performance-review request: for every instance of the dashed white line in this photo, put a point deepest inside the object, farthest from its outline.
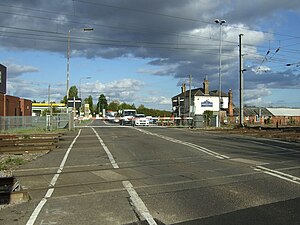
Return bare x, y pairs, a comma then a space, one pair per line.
110, 156
135, 199
50, 191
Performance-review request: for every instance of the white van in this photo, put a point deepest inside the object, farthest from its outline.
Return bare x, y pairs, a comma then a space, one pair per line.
127, 116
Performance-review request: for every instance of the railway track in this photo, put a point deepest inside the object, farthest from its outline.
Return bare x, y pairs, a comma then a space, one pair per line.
29, 143
22, 144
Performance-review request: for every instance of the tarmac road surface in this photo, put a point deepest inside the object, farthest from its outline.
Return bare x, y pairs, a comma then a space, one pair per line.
107, 174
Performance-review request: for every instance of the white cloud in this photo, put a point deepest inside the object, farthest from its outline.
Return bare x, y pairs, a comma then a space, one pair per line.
255, 97
61, 20
261, 69
124, 90
16, 70
162, 71
35, 90
172, 41
161, 100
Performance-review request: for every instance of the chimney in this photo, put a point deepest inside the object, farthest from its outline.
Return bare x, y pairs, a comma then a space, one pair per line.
230, 103
183, 88
205, 86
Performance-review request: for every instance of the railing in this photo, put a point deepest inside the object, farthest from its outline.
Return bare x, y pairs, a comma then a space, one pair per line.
54, 122
174, 121
197, 121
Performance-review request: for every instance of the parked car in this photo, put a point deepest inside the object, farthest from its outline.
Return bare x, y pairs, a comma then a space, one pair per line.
110, 116
141, 120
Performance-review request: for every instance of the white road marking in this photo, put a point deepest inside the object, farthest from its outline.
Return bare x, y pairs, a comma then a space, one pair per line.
199, 148
110, 156
50, 191
265, 170
138, 203
136, 200
278, 174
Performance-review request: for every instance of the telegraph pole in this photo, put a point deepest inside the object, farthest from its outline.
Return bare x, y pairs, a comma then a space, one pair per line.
241, 82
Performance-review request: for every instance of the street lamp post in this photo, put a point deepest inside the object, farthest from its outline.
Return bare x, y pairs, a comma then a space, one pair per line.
68, 58
220, 22
82, 78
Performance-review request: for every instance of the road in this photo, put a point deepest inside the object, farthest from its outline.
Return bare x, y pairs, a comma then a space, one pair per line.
106, 174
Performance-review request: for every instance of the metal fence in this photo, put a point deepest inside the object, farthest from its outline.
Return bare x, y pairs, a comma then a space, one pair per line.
53, 122
197, 121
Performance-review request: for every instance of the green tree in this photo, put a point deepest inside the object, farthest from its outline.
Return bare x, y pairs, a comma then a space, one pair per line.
113, 106
142, 109
207, 116
73, 92
102, 103
126, 106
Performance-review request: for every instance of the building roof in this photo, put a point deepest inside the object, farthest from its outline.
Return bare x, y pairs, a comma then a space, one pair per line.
252, 111
199, 92
284, 111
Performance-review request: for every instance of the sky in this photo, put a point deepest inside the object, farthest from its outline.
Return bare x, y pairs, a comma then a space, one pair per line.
142, 51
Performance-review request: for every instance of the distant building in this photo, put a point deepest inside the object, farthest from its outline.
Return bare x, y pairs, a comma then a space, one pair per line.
269, 116
14, 106
253, 115
202, 99
285, 116
38, 108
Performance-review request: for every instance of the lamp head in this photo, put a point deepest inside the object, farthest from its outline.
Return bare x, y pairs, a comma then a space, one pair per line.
220, 21
88, 29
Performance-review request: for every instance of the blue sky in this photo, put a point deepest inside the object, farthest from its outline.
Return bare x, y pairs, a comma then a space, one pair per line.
142, 51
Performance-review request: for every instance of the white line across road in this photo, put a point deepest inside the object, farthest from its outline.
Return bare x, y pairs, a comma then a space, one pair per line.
50, 191
198, 147
110, 156
138, 203
278, 174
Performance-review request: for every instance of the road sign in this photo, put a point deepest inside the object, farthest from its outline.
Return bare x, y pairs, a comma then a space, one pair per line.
77, 103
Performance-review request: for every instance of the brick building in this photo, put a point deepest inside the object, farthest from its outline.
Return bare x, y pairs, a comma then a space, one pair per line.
12, 105
285, 116
26, 107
